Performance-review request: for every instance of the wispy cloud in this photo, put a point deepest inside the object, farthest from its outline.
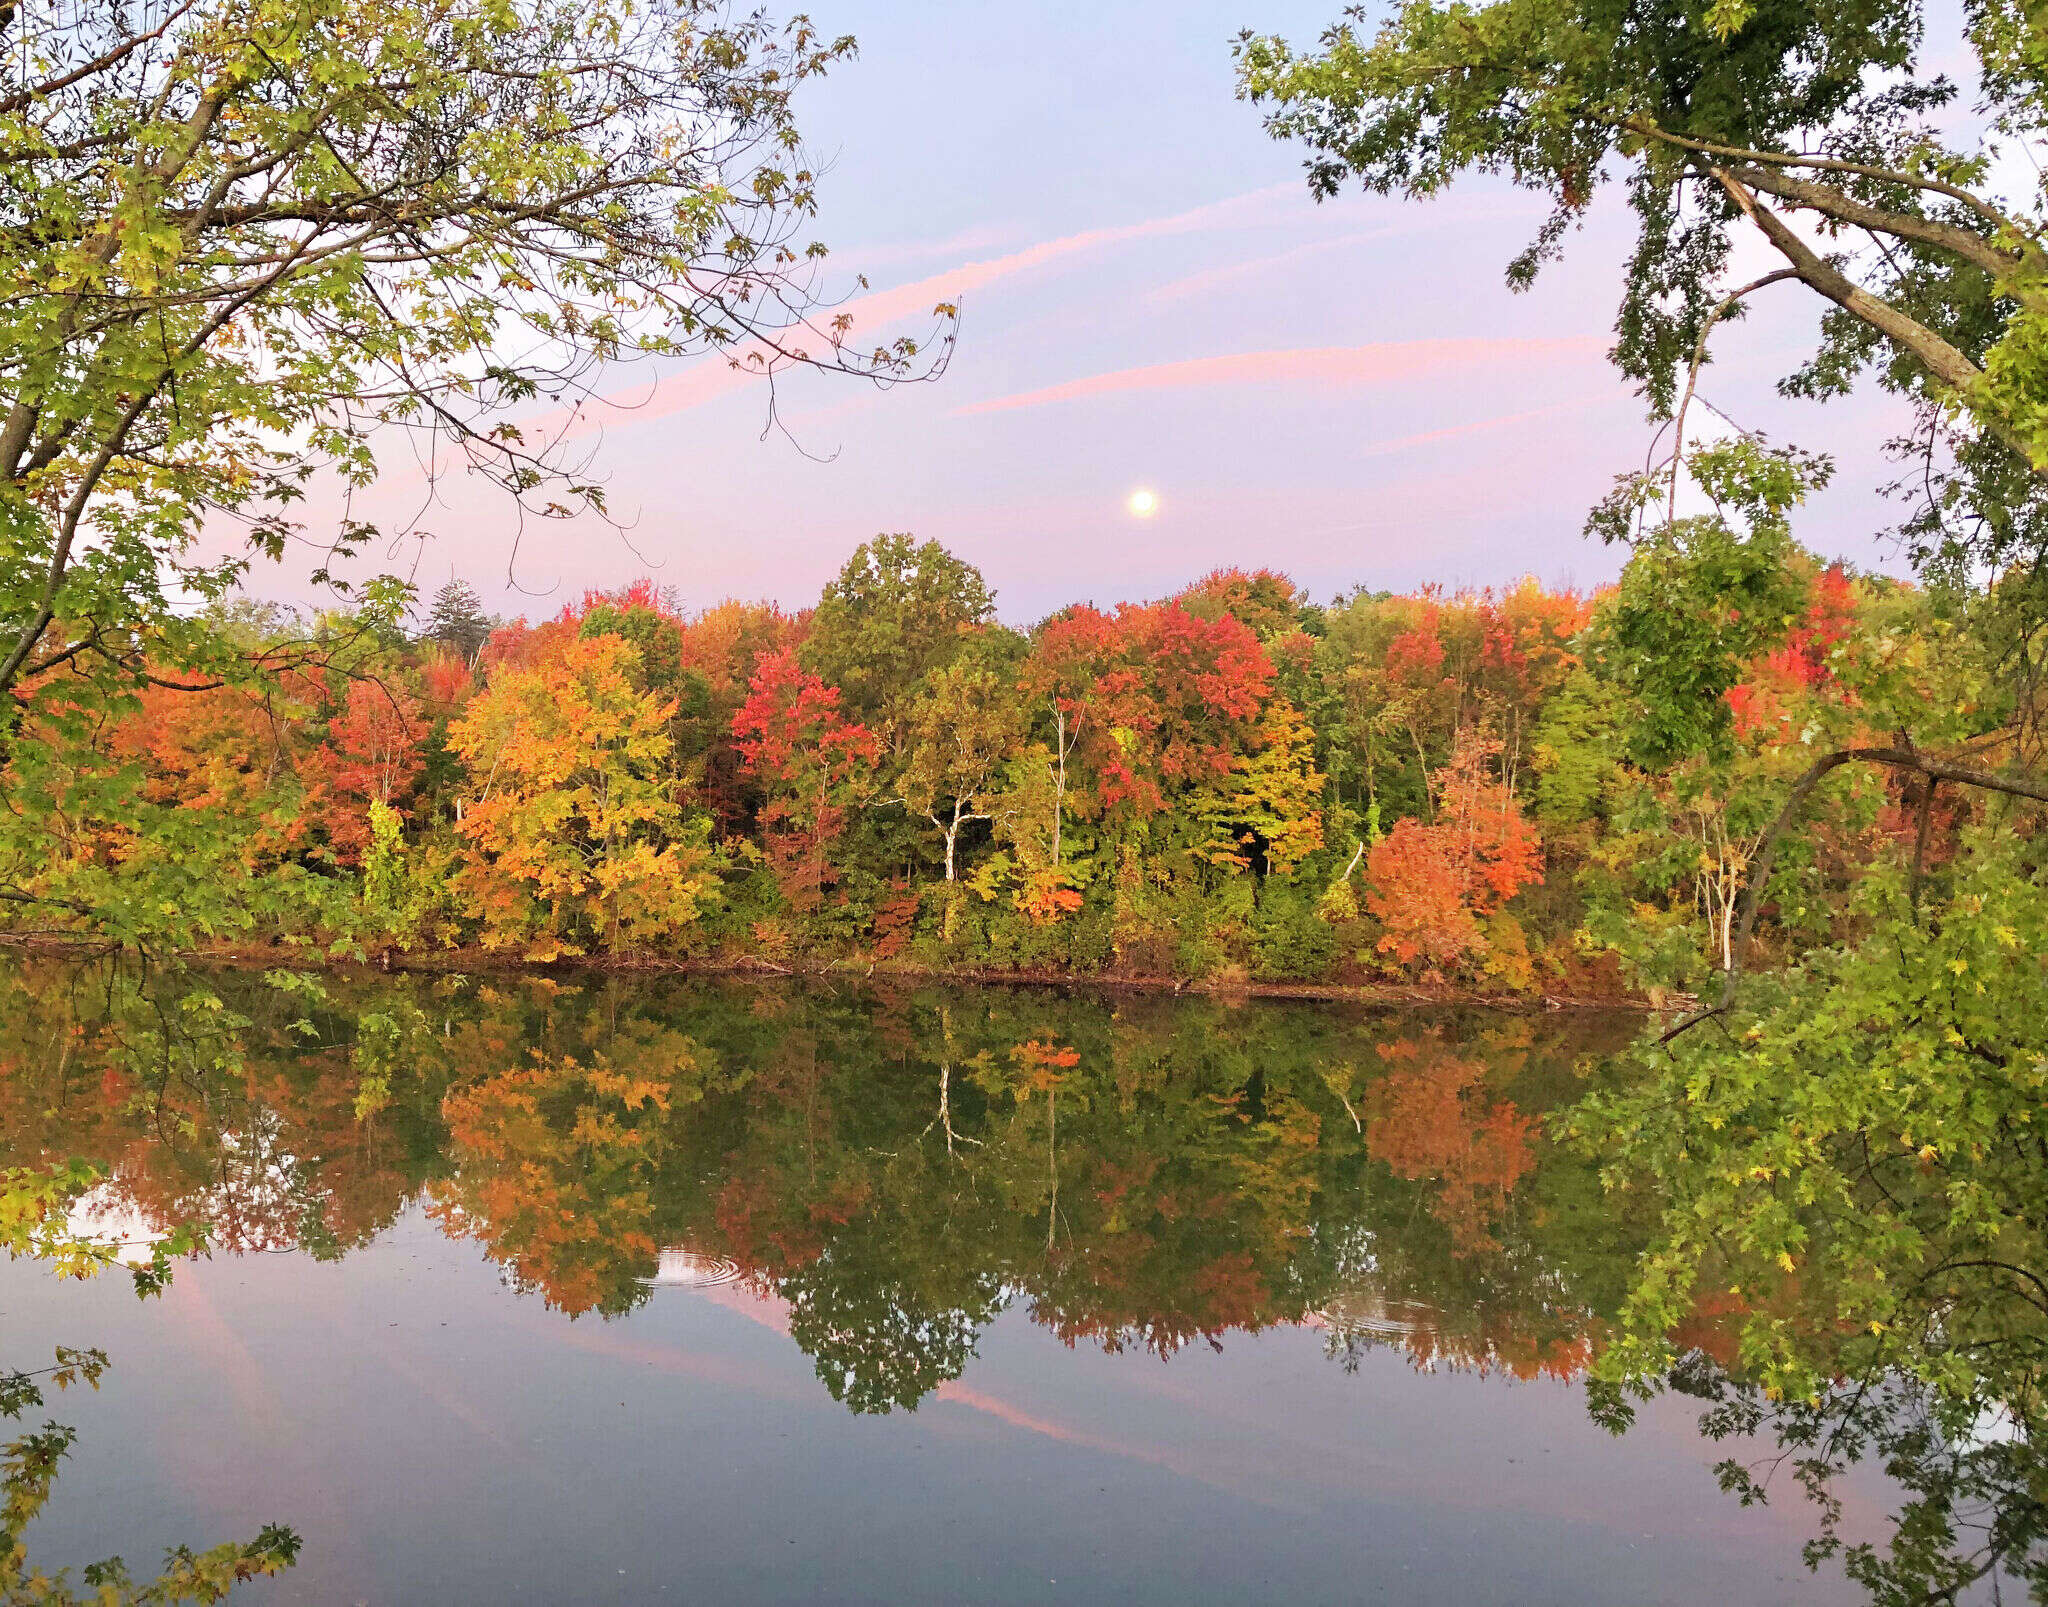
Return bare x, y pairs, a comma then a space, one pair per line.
1412, 221
1195, 284
772, 1311
980, 237
1383, 362
1479, 426
972, 276
719, 376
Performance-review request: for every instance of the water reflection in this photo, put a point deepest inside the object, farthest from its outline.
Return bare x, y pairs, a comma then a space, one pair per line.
897, 1167
888, 1172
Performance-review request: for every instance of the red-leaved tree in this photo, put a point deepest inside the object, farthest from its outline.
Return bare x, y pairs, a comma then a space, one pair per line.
372, 755
1157, 697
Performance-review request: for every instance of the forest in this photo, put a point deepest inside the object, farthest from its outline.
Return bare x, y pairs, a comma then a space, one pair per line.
1512, 792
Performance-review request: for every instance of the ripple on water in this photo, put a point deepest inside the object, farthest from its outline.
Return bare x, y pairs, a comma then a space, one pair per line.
687, 1269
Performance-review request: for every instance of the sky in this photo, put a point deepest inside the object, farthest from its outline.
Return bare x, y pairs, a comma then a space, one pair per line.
1346, 392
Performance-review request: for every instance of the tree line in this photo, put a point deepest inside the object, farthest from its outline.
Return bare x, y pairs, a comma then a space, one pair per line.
1511, 790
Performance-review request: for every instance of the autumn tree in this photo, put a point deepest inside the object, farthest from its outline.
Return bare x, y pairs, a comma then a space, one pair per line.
1068, 652
1433, 885
1180, 698
653, 624
1153, 697
1270, 604
177, 814
813, 765
574, 835
1432, 1117
1399, 674
897, 611
637, 616
719, 649
726, 641
1147, 715
556, 1164
1529, 645
964, 725
1270, 809
258, 243
372, 755
219, 748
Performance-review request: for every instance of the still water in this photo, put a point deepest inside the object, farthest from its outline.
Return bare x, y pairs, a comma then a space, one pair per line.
708, 1292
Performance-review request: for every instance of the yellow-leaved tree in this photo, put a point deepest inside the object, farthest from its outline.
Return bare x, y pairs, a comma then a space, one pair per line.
1270, 807
575, 837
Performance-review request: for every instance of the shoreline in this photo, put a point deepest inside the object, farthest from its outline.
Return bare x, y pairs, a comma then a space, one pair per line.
480, 962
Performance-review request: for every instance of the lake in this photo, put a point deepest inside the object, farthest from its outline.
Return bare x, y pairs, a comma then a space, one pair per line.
654, 1290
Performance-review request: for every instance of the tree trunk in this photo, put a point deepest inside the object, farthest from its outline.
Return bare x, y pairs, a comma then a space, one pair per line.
1059, 788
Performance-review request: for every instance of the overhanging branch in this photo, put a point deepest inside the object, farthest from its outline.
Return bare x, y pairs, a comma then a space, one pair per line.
1908, 759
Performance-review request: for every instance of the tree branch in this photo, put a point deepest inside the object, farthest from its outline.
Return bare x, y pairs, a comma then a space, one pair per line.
1944, 362
1842, 208
1829, 164
1906, 758
1692, 377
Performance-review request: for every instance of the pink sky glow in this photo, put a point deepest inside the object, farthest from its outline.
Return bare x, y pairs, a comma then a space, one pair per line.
1347, 392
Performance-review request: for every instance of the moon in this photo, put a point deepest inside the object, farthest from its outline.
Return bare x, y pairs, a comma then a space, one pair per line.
1143, 503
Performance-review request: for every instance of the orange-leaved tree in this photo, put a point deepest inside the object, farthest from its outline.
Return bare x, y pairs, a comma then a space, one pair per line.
1434, 1118
575, 835
555, 1169
1432, 886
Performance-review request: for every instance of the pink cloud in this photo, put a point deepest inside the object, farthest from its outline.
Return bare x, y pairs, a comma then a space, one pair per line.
1381, 363
1207, 279
256, 1402
1451, 432
1407, 222
719, 376
981, 237
919, 296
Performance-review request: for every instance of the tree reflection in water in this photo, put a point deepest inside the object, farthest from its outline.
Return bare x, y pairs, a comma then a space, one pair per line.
896, 1167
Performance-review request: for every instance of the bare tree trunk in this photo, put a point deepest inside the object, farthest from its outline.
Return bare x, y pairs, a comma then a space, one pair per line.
1059, 791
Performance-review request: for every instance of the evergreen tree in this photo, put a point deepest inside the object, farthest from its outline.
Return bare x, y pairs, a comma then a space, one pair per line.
457, 618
